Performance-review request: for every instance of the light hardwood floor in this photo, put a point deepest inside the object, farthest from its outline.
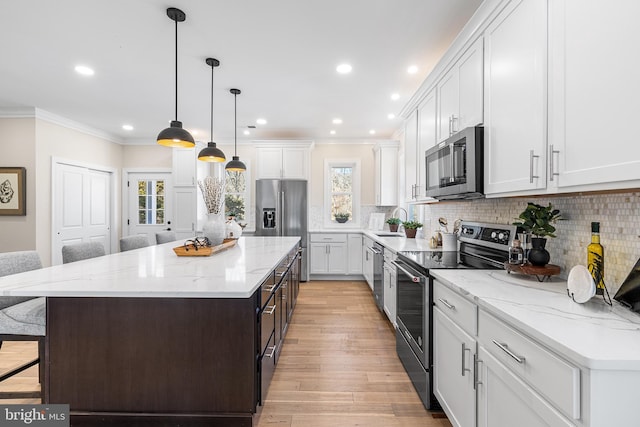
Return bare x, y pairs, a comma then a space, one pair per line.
338, 366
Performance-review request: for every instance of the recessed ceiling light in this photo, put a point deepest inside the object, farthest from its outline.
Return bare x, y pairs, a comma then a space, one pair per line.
337, 121
391, 116
333, 132
84, 70
412, 69
127, 127
372, 132
344, 68
261, 121
246, 132
395, 96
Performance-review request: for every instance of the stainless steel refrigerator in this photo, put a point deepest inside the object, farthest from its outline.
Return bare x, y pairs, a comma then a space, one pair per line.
281, 210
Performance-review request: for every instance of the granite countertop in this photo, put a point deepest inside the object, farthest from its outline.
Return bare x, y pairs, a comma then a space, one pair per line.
156, 271
593, 334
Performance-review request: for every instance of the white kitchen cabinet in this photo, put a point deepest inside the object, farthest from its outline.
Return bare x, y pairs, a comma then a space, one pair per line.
282, 162
184, 167
410, 160
515, 98
354, 254
594, 95
386, 174
504, 400
184, 212
459, 93
328, 253
367, 260
453, 381
389, 284
427, 138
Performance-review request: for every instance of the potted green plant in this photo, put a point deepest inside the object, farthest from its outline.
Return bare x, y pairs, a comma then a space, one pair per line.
393, 224
538, 220
342, 217
411, 228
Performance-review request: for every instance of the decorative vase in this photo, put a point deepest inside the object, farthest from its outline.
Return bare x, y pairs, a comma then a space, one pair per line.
342, 220
393, 227
538, 255
410, 232
214, 228
233, 229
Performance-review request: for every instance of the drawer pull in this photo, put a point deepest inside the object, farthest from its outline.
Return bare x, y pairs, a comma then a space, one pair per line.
273, 351
272, 288
446, 304
464, 350
270, 309
505, 348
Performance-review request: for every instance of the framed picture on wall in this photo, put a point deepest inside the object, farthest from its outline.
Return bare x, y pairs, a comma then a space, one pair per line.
13, 191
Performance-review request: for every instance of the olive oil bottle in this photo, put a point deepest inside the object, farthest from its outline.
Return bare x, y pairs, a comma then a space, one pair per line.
595, 258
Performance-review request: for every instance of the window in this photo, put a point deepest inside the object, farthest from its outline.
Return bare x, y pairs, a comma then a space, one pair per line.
151, 202
236, 199
342, 194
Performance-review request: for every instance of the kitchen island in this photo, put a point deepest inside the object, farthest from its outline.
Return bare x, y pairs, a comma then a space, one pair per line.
147, 338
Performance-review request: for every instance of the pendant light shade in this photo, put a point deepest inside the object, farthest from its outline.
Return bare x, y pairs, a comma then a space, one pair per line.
212, 153
235, 165
175, 135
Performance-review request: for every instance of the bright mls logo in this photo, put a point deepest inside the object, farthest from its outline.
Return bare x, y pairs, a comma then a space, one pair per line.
34, 415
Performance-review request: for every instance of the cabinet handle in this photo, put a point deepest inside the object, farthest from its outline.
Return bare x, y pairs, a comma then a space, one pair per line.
453, 121
505, 348
270, 309
464, 350
449, 125
476, 363
531, 175
273, 351
551, 153
446, 304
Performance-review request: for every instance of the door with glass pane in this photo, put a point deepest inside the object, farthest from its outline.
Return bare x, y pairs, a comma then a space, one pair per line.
150, 204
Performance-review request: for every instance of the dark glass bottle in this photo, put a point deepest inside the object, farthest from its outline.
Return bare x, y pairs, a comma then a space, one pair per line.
595, 258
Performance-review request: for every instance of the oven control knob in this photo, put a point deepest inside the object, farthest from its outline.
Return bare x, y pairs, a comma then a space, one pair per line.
494, 234
501, 236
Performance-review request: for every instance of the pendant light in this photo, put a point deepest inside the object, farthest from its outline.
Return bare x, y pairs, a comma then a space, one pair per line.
211, 153
235, 165
174, 135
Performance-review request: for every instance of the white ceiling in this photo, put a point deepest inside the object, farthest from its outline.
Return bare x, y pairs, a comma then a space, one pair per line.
282, 54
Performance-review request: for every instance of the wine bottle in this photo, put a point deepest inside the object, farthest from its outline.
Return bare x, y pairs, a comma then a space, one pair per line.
595, 258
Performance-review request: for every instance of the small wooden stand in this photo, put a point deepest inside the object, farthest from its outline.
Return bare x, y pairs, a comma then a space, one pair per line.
541, 273
191, 250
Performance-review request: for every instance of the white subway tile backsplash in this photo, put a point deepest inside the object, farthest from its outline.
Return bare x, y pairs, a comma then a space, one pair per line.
618, 214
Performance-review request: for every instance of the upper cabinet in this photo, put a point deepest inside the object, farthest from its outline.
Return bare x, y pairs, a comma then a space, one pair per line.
386, 174
515, 98
184, 167
460, 93
427, 138
278, 161
593, 94
410, 159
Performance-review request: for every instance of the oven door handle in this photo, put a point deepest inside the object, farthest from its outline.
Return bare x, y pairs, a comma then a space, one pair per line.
414, 279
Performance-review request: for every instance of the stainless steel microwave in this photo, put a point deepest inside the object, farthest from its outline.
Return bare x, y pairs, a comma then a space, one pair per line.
455, 167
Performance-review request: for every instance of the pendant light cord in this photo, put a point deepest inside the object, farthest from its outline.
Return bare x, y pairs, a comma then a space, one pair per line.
212, 67
235, 124
176, 21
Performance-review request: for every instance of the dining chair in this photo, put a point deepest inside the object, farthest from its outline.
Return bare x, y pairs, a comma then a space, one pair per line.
22, 318
133, 242
165, 237
80, 251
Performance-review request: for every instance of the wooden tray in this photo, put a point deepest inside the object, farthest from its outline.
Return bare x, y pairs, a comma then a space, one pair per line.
541, 272
189, 250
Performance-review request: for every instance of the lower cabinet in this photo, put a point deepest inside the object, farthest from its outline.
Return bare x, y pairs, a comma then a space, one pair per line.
454, 352
335, 254
367, 260
389, 284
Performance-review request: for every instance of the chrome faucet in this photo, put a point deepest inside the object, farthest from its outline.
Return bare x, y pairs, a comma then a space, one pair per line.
395, 211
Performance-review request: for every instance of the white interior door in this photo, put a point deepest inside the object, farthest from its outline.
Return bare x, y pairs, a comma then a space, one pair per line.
149, 204
82, 210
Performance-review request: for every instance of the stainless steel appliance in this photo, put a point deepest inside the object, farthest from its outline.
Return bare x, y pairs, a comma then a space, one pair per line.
455, 167
281, 210
378, 274
482, 246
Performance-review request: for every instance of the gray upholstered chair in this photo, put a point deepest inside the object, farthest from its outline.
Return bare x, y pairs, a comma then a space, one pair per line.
165, 237
133, 242
80, 251
22, 318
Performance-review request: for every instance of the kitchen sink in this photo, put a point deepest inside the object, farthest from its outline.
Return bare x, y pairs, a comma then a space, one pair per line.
388, 234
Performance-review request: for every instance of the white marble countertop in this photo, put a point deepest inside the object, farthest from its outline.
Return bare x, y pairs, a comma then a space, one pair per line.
156, 271
395, 242
594, 334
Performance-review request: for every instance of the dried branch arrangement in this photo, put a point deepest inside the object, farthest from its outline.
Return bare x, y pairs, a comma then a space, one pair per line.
213, 193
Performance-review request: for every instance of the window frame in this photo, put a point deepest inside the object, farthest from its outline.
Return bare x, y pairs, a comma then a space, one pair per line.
249, 208
354, 221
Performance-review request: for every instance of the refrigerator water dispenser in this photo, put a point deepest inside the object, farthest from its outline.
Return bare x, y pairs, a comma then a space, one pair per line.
269, 218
